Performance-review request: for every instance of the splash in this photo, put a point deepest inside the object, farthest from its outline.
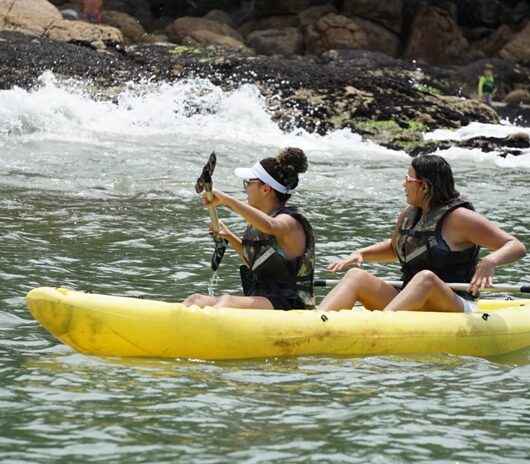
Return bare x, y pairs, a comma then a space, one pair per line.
476, 157
151, 139
195, 111
476, 129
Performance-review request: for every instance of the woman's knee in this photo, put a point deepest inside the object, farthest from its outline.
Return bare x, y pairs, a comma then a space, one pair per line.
425, 278
355, 275
197, 299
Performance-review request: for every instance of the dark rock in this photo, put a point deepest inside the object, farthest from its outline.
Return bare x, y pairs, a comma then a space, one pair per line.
360, 58
435, 38
271, 22
191, 7
477, 13
519, 13
220, 16
312, 15
492, 13
139, 9
516, 114
282, 7
392, 103
513, 144
288, 41
387, 13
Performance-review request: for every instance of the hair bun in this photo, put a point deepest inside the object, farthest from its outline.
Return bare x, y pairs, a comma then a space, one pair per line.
291, 158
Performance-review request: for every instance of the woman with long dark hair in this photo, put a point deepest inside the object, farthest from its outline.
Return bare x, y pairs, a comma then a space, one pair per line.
437, 241
278, 246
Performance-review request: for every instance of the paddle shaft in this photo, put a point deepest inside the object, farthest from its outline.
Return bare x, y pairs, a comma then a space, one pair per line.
457, 287
204, 184
213, 213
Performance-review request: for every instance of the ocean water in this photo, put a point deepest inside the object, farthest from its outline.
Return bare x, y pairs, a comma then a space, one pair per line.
99, 196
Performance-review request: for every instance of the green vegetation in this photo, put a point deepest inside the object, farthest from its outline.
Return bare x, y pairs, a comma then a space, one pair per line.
389, 132
185, 50
424, 88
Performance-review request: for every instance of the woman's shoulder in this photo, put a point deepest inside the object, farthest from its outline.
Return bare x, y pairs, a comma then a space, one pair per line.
462, 216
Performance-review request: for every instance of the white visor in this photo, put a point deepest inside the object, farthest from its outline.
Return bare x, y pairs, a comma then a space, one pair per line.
258, 172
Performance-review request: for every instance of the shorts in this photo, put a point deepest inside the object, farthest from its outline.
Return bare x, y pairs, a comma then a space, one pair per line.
469, 305
285, 303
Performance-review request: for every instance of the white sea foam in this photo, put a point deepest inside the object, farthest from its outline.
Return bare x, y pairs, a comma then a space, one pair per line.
152, 136
476, 129
193, 109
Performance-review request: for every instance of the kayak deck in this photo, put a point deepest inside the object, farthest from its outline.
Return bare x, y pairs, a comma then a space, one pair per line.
119, 326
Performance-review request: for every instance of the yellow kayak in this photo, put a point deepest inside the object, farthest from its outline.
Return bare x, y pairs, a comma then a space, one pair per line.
118, 326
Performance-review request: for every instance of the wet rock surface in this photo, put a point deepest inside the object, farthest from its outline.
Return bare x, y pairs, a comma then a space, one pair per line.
386, 100
514, 144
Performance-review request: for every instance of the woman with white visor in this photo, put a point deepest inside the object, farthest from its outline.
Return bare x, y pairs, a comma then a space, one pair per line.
278, 245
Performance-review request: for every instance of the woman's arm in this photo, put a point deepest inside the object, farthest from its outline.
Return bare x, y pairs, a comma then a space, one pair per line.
234, 241
278, 226
466, 226
381, 252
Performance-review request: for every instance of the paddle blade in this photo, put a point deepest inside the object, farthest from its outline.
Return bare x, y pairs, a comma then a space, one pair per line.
218, 253
204, 182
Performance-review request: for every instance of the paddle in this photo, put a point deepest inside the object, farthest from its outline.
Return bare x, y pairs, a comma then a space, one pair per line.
458, 287
205, 183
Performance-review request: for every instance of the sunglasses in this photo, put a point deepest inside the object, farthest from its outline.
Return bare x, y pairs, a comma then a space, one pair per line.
412, 179
247, 182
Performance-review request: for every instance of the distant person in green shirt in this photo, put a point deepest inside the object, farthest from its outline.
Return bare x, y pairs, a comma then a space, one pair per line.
486, 85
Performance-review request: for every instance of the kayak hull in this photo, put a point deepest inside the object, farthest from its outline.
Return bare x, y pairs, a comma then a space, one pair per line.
130, 327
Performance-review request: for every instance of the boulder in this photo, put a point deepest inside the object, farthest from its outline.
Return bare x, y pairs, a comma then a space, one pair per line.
477, 33
220, 16
494, 43
28, 16
204, 37
492, 13
313, 14
139, 9
518, 97
435, 38
334, 32
387, 13
196, 7
480, 13
272, 22
519, 139
159, 25
132, 30
519, 13
264, 8
379, 38
81, 31
41, 18
183, 27
518, 49
288, 41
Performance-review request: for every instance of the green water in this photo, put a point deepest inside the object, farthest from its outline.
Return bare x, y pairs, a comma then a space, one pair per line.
59, 406
99, 196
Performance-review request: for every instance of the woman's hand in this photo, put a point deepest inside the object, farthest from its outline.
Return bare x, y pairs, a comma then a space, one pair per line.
483, 276
355, 260
218, 198
223, 232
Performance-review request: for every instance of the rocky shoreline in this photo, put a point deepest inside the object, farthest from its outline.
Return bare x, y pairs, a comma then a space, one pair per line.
385, 99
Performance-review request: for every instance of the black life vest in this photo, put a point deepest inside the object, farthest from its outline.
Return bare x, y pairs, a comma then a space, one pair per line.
269, 273
419, 246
